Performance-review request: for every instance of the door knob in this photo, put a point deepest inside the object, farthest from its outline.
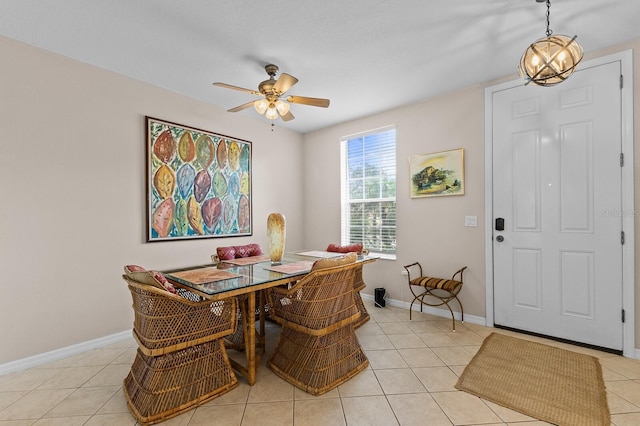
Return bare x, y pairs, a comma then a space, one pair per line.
499, 238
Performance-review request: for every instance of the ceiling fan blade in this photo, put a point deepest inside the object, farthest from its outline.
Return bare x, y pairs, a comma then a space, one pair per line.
287, 117
284, 83
242, 89
241, 107
318, 102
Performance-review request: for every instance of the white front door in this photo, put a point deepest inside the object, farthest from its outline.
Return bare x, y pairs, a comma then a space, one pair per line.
557, 264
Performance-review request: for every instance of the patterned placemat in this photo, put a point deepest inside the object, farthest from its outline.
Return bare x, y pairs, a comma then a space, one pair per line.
319, 253
241, 261
202, 275
291, 268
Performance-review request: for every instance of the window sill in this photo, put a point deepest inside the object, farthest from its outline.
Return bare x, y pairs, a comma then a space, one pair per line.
384, 256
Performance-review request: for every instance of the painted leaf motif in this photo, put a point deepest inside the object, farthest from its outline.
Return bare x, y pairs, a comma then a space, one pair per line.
165, 147
163, 217
204, 151
244, 213
211, 211
202, 185
181, 220
244, 183
219, 184
234, 156
164, 181
228, 213
186, 147
186, 177
233, 185
221, 153
244, 158
194, 216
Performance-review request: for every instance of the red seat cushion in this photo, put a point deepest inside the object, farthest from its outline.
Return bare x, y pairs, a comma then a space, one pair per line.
351, 248
154, 278
235, 252
242, 251
254, 250
226, 253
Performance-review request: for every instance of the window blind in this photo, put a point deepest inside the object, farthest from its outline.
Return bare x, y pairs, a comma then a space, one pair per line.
369, 190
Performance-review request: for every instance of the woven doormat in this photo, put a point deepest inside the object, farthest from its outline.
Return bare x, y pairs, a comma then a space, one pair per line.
551, 384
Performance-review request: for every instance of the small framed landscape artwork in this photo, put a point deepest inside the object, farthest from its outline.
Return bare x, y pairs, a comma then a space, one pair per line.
437, 174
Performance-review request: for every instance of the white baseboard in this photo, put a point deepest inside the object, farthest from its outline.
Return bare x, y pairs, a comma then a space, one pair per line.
36, 360
473, 319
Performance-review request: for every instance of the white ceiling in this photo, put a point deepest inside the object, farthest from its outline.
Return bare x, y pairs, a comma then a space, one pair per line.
366, 56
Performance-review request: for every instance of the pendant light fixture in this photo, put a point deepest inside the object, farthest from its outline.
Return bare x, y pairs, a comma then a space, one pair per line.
550, 60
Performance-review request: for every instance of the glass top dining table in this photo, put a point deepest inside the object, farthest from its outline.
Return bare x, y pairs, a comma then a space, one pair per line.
244, 278
240, 276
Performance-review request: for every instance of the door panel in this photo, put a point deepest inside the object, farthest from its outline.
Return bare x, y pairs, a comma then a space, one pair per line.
576, 178
577, 284
556, 169
526, 192
527, 275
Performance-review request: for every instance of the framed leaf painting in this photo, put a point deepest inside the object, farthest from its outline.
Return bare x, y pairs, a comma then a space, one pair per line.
198, 183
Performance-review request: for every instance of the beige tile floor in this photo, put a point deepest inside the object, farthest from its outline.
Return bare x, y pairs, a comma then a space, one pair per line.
410, 381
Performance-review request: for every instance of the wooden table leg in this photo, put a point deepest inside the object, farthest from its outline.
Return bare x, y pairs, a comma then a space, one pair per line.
250, 339
247, 313
254, 341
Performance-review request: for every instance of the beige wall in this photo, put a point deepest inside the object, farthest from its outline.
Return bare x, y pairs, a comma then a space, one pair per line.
430, 230
72, 184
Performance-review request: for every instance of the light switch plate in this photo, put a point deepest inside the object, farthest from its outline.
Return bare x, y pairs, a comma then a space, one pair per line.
471, 221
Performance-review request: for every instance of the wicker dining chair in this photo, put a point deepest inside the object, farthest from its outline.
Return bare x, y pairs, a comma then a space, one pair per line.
318, 349
181, 361
358, 283
436, 291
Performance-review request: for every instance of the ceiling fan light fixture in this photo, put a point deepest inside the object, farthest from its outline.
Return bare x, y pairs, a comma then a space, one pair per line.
272, 112
550, 60
261, 106
282, 107
271, 91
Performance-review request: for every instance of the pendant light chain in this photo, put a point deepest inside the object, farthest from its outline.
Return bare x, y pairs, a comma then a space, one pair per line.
549, 32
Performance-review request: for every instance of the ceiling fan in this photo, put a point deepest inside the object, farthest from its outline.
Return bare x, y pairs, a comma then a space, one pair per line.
272, 93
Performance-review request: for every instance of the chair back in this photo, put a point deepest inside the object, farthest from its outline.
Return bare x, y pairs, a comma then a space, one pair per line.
166, 322
319, 303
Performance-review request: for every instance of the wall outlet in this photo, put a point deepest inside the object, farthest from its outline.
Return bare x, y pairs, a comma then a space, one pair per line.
471, 221
404, 272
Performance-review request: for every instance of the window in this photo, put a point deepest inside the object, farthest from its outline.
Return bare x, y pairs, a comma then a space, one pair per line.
369, 190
